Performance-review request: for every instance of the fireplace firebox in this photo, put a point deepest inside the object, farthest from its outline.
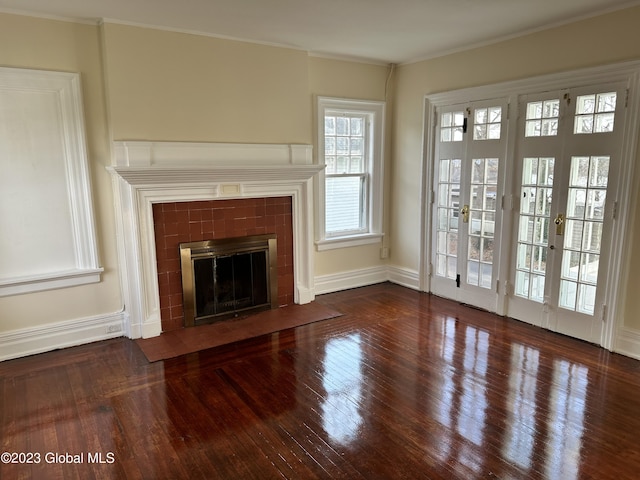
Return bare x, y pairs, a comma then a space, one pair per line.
221, 278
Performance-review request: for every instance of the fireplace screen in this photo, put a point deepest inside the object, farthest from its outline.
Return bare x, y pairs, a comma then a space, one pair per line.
221, 278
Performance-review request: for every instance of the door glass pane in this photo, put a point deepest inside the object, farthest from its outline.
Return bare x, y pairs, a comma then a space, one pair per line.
542, 118
584, 228
451, 126
595, 113
487, 123
483, 189
448, 205
533, 237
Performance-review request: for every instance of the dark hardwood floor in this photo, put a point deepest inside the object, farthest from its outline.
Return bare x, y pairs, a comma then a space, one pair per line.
403, 385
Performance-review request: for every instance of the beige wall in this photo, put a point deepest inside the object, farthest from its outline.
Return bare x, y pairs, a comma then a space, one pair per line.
597, 41
178, 87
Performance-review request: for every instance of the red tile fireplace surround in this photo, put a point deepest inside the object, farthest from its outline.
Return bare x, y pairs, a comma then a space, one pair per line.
178, 222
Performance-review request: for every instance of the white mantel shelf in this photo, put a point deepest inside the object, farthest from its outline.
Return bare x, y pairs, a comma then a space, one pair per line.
214, 174
146, 173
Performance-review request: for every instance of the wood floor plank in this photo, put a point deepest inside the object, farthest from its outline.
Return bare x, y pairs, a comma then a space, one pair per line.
402, 385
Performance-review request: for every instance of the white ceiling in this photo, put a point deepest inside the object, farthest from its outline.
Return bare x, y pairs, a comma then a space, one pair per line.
385, 31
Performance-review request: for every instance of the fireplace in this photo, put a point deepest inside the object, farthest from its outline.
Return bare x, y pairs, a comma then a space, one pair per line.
148, 175
222, 278
177, 223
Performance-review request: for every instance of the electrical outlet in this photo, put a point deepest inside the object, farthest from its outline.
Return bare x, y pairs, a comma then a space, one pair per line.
384, 252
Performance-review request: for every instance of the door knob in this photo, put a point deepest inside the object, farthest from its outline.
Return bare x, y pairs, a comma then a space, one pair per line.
465, 213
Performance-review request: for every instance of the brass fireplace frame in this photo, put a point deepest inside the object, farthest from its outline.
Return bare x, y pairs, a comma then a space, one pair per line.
191, 251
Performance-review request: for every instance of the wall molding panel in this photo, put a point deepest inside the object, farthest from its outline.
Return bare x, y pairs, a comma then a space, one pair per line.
45, 190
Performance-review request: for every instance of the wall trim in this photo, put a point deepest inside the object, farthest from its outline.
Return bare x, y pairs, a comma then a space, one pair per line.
404, 276
352, 279
70, 333
628, 342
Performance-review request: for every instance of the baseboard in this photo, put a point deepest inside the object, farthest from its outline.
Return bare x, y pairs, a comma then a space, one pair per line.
404, 276
628, 343
30, 341
351, 279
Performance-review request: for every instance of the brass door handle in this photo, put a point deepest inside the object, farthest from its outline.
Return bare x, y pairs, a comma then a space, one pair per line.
465, 213
559, 221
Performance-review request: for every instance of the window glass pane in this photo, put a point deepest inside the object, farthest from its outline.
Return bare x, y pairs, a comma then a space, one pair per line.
342, 145
448, 198
583, 232
357, 147
330, 162
595, 113
533, 232
599, 172
451, 126
329, 125
542, 118
534, 110
357, 127
586, 104
483, 204
495, 114
604, 122
344, 207
342, 164
487, 123
356, 165
606, 102
342, 126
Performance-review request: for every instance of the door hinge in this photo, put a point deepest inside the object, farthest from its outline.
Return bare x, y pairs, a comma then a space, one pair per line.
626, 99
458, 280
604, 313
614, 212
432, 200
506, 203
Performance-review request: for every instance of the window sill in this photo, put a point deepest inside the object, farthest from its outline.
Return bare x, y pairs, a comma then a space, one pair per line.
51, 281
350, 241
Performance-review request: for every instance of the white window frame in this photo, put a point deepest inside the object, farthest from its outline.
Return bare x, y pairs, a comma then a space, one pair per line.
374, 111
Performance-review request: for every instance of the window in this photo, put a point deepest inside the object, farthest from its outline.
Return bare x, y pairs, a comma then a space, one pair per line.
350, 191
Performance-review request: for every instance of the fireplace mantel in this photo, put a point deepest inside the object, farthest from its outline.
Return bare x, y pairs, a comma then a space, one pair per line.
145, 173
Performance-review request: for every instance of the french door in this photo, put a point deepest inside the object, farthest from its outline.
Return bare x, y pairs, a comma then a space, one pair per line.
567, 165
470, 152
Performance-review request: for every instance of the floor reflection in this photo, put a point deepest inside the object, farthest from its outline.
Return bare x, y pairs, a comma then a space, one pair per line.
343, 383
471, 417
519, 438
535, 421
566, 419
